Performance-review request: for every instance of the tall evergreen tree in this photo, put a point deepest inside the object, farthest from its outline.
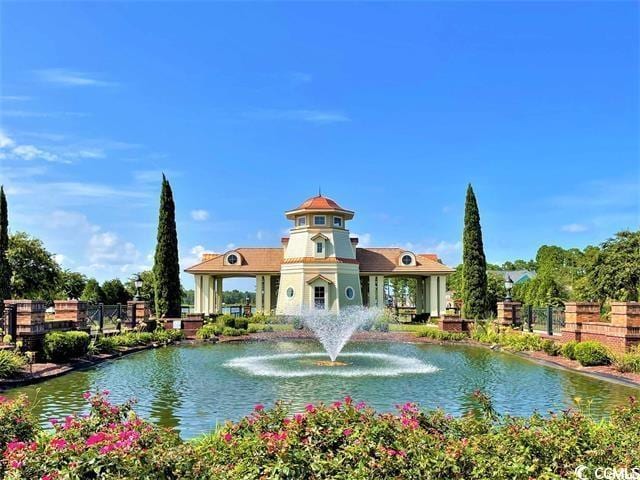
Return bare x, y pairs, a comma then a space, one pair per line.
166, 268
474, 273
5, 268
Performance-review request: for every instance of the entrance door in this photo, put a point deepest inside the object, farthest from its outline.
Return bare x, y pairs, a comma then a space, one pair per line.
319, 298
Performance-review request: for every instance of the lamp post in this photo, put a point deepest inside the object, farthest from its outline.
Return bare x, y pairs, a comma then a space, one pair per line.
508, 284
137, 282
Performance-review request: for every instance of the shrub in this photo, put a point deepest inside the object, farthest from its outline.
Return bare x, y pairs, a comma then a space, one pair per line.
208, 331
233, 332
62, 346
592, 354
569, 349
430, 332
104, 344
10, 363
551, 348
241, 323
345, 440
226, 320
380, 326
629, 362
17, 422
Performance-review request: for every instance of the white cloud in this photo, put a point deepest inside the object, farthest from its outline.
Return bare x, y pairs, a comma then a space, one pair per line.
31, 114
193, 257
59, 258
320, 117
92, 190
30, 152
107, 248
199, 215
14, 98
364, 239
574, 228
259, 234
70, 78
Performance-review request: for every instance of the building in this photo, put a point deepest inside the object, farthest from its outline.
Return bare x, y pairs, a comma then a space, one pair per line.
319, 266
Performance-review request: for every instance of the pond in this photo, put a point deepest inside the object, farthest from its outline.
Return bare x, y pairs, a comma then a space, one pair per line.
196, 387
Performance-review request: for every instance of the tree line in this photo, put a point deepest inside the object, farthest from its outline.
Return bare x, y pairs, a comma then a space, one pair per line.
28, 270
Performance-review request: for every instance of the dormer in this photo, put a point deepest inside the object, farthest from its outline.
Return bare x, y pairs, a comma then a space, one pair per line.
407, 259
232, 258
320, 245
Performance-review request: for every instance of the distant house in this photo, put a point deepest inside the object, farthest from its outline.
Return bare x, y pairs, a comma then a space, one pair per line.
517, 276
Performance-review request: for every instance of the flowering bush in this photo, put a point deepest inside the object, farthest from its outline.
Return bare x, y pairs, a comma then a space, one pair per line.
344, 440
109, 442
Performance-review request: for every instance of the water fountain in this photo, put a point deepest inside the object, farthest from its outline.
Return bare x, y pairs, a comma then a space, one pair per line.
334, 330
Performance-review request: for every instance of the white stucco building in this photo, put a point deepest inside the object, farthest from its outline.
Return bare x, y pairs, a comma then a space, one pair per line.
319, 266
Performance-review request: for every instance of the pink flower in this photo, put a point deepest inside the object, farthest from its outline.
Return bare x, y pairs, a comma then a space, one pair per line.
106, 392
53, 421
107, 449
227, 437
3, 399
86, 395
336, 404
298, 417
347, 431
59, 443
360, 405
259, 407
13, 446
96, 438
48, 476
348, 400
310, 408
16, 464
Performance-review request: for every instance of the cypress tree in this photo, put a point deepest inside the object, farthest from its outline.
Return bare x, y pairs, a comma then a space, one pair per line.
166, 268
474, 270
5, 268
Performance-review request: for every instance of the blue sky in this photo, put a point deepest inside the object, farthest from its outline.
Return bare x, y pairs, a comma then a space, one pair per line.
391, 107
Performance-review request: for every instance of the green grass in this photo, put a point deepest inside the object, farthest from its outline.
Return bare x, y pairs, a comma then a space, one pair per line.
406, 327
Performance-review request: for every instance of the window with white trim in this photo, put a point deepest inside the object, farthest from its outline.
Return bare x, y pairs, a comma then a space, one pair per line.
320, 247
301, 221
319, 220
337, 222
349, 293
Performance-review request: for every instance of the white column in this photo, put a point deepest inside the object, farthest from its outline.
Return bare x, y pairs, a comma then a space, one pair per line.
218, 302
372, 291
211, 307
259, 293
205, 294
442, 297
433, 296
419, 295
380, 291
267, 295
197, 305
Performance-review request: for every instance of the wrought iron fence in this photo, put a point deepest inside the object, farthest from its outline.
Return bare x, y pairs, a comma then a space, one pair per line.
548, 319
106, 317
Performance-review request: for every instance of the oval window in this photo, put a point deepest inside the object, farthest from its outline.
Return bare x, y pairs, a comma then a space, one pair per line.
349, 292
290, 292
232, 259
406, 259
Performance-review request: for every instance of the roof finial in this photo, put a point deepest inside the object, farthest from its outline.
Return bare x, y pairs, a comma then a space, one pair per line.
319, 191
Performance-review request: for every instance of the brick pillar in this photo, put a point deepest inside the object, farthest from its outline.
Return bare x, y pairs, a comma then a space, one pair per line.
625, 323
72, 311
451, 322
508, 313
575, 314
30, 328
138, 311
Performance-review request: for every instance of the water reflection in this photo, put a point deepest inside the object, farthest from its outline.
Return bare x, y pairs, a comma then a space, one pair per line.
191, 389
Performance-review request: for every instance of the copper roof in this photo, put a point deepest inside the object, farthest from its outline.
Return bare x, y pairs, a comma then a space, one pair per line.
319, 203
269, 260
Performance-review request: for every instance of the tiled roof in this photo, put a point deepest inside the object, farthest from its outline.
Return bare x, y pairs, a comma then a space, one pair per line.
386, 260
319, 203
269, 260
254, 260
